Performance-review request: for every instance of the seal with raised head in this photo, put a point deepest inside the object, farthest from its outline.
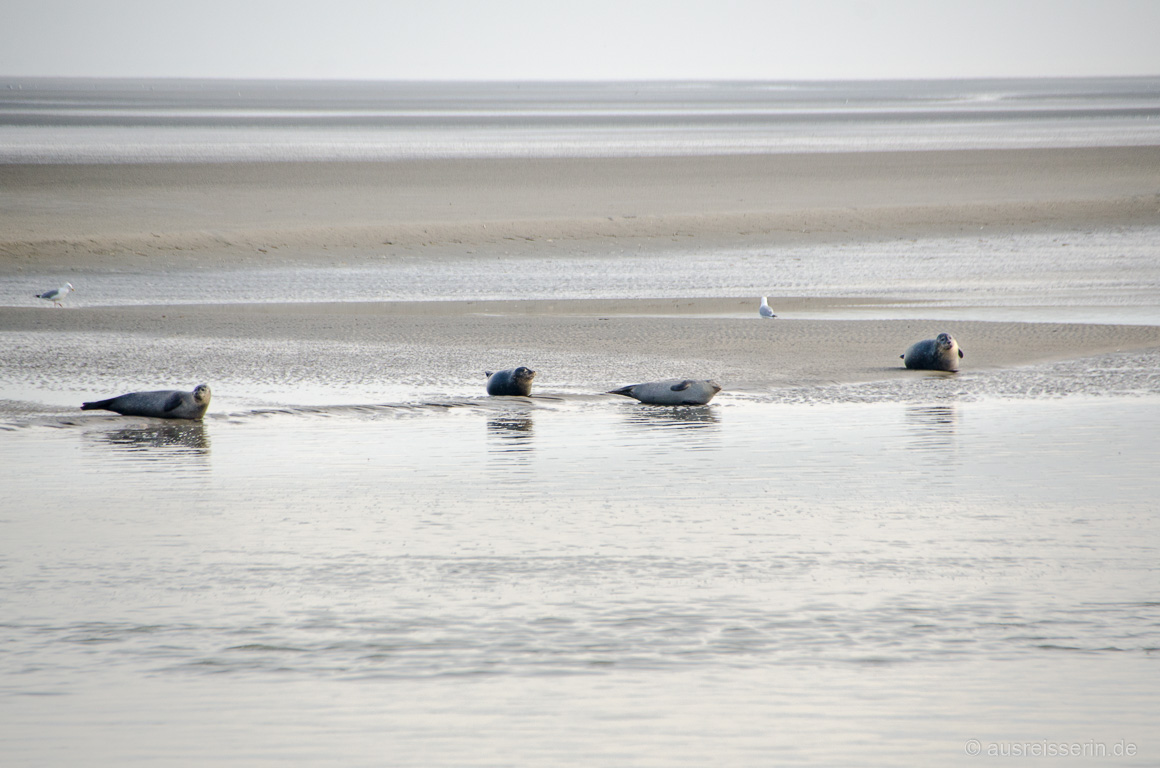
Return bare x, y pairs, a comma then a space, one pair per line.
671, 391
161, 404
941, 353
513, 381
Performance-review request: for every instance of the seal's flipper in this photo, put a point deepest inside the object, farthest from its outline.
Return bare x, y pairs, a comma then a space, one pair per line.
97, 405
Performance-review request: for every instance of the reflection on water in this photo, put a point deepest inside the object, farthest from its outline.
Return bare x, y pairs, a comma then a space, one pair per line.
931, 427
510, 432
665, 427
176, 438
674, 417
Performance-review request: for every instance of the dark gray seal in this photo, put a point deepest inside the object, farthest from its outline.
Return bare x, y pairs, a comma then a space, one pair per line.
941, 353
671, 391
513, 381
162, 404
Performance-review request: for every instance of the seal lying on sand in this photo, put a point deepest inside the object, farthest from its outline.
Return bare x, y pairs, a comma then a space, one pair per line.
941, 353
514, 381
162, 404
672, 391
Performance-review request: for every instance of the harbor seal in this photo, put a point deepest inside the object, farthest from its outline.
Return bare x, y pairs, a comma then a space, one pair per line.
765, 310
671, 391
162, 404
57, 295
941, 353
513, 381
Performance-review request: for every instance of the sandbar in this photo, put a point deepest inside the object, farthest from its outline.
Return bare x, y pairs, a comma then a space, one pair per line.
226, 216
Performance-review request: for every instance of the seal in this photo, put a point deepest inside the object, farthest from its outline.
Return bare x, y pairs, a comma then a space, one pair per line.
57, 295
671, 391
512, 382
765, 310
941, 353
161, 404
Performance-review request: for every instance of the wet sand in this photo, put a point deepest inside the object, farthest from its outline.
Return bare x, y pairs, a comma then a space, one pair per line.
441, 348
67, 219
252, 214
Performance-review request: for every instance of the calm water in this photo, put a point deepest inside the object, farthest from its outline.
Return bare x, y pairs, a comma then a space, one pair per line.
897, 573
143, 121
583, 580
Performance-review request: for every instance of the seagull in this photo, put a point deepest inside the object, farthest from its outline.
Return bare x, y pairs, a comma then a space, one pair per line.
764, 309
57, 295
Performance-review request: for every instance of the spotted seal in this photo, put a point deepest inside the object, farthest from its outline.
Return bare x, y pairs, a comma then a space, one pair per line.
513, 381
161, 404
671, 391
941, 353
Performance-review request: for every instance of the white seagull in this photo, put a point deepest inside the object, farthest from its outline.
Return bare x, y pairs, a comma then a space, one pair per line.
57, 295
764, 310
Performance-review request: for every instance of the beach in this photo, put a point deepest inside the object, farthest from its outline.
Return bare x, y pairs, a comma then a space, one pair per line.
65, 216
360, 556
148, 218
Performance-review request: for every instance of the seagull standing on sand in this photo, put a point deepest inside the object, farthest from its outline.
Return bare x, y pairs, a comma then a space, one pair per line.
764, 310
57, 295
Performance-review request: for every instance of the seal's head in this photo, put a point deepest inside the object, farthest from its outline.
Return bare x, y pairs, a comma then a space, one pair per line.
201, 394
945, 342
523, 375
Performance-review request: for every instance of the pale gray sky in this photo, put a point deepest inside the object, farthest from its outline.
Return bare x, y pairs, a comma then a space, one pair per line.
579, 39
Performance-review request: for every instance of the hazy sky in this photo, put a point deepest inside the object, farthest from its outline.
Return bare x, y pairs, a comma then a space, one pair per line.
579, 39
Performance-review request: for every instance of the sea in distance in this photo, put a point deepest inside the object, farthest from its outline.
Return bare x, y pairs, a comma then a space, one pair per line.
929, 571
84, 121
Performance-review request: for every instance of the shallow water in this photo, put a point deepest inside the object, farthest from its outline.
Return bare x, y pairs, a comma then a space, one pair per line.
578, 580
224, 121
1093, 276
868, 574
